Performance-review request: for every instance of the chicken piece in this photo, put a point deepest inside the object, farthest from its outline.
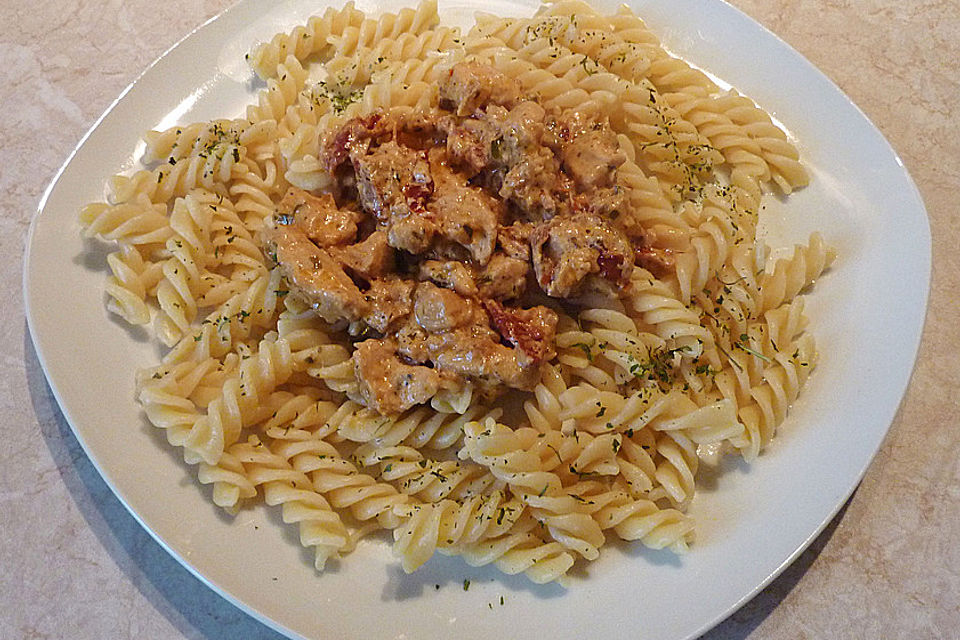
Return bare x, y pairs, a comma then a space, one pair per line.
496, 139
353, 138
504, 278
530, 184
454, 335
449, 274
592, 159
412, 342
566, 250
394, 184
471, 85
473, 353
387, 385
390, 300
531, 330
314, 275
392, 180
611, 203
418, 128
413, 234
588, 148
514, 240
318, 217
470, 353
466, 215
470, 142
483, 359
437, 310
372, 258
520, 131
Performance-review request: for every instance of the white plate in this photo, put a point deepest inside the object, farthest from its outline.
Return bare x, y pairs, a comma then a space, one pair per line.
867, 315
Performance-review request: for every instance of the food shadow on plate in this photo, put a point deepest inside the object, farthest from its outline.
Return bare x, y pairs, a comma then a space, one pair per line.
195, 610
710, 477
94, 258
445, 572
188, 477
291, 537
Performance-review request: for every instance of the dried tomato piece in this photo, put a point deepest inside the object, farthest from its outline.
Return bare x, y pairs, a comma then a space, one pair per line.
530, 330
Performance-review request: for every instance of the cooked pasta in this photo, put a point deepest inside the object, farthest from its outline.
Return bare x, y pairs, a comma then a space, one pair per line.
690, 339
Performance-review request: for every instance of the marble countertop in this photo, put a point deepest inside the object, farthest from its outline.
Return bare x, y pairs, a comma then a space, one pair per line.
74, 563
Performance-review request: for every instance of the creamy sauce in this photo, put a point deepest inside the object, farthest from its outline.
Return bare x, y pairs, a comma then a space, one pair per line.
440, 228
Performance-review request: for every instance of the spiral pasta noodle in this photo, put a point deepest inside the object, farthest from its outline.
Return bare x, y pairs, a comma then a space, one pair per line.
132, 277
251, 466
447, 525
303, 41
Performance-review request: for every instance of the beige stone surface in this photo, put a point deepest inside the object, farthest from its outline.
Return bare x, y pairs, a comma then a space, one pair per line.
74, 564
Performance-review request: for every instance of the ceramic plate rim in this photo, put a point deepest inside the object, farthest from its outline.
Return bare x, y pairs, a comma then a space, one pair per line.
34, 301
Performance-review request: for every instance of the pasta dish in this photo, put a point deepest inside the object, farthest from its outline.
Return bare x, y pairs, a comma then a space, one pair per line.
496, 292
